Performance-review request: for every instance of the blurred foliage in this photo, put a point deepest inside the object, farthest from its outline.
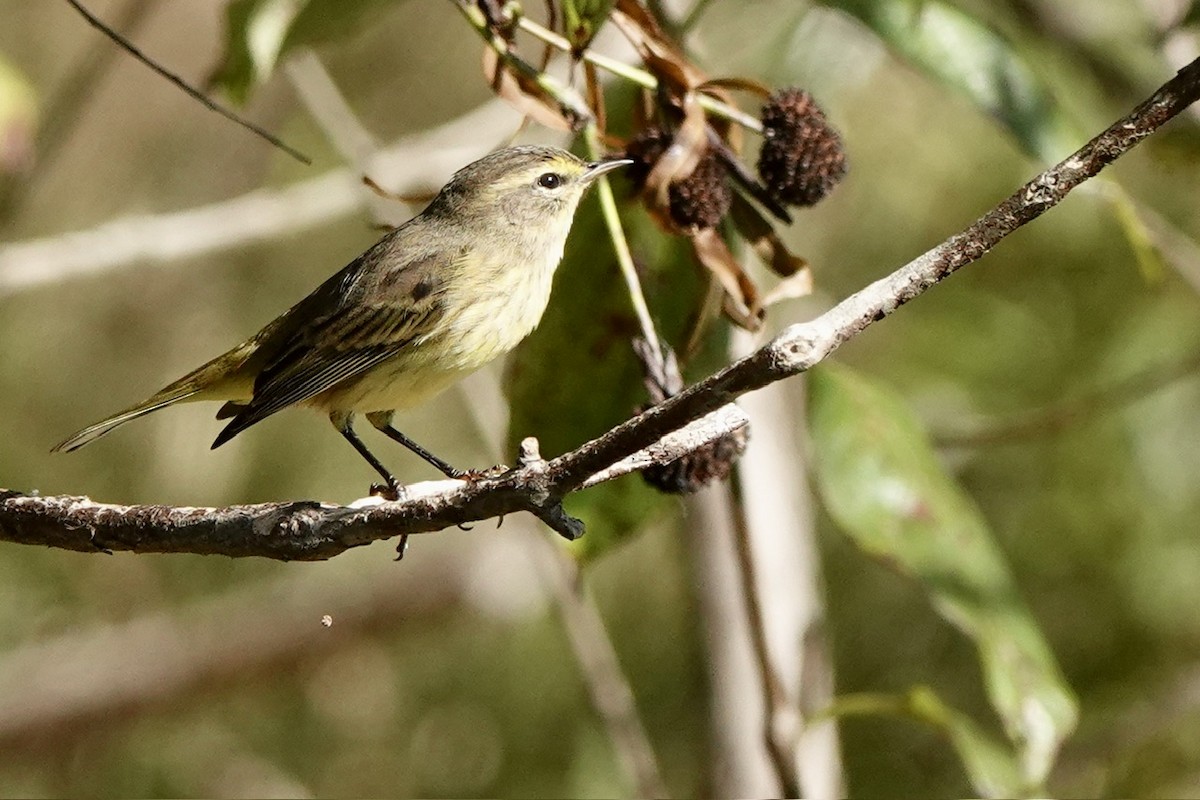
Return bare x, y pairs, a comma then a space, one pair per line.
1090, 521
882, 482
259, 33
18, 120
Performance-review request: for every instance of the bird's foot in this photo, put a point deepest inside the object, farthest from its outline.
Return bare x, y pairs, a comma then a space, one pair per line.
388, 491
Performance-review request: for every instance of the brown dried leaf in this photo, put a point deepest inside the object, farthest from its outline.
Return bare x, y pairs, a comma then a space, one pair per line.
677, 163
675, 73
756, 230
742, 304
754, 87
522, 94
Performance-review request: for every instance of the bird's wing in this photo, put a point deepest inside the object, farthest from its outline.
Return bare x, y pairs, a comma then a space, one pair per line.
357, 320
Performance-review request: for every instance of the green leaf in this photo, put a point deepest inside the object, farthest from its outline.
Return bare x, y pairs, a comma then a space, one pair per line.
990, 765
258, 33
881, 481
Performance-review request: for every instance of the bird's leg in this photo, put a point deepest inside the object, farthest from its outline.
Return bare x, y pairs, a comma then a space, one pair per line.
392, 491
344, 423
383, 422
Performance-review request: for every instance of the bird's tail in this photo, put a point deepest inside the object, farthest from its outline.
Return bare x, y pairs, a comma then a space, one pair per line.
93, 432
223, 378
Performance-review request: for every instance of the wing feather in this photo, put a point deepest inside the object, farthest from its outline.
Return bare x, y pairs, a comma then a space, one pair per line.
375, 315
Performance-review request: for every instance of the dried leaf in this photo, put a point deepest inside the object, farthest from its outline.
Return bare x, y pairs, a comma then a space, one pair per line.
675, 73
523, 95
742, 303
756, 230
679, 160
792, 287
754, 87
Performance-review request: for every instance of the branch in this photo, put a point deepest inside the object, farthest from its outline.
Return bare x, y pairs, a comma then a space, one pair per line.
309, 530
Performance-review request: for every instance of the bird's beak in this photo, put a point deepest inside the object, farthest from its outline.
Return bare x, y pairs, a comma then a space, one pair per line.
598, 168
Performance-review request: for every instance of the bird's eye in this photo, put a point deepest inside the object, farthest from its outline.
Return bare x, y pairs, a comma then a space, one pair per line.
550, 180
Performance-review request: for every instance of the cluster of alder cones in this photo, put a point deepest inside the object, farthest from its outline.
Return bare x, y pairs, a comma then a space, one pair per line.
800, 162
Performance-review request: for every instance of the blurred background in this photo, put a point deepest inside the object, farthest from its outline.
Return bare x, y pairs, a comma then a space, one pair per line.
1053, 385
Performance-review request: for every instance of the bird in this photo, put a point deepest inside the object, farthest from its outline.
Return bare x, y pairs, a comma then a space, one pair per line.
433, 300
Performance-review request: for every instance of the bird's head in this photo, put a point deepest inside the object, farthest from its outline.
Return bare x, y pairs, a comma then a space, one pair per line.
530, 186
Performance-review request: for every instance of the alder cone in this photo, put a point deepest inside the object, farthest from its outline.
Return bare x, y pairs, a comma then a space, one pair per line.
802, 157
691, 473
700, 200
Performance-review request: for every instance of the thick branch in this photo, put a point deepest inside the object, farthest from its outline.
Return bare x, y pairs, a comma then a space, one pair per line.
309, 530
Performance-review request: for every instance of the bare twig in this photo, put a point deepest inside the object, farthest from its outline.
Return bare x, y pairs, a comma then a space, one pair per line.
312, 531
423, 159
187, 88
780, 739
607, 686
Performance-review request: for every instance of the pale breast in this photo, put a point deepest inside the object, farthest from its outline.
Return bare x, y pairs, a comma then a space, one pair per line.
486, 316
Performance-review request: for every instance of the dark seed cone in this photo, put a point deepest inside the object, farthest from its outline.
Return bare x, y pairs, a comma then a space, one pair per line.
694, 471
697, 469
699, 201
802, 158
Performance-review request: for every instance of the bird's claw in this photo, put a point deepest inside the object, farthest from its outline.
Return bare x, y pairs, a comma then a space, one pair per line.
480, 474
388, 491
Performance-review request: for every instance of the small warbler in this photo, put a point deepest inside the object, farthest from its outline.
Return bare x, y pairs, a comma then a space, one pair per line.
430, 302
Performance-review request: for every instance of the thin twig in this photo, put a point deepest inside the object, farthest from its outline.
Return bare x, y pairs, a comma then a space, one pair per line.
311, 531
616, 233
638, 76
187, 88
782, 574
781, 745
569, 101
